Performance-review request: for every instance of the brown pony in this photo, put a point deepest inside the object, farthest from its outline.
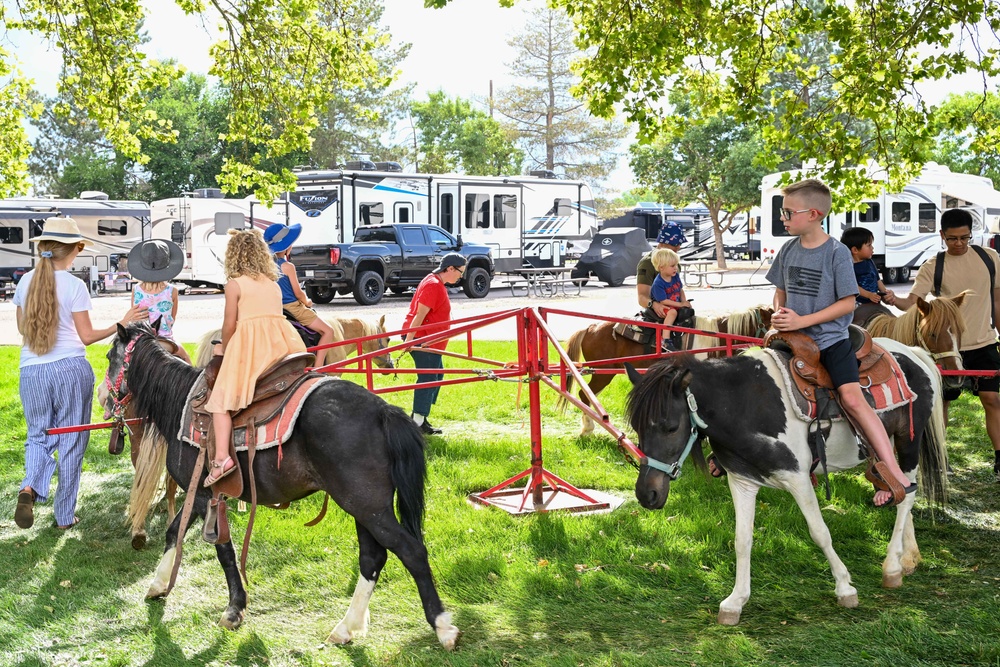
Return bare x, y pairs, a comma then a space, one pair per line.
936, 325
598, 342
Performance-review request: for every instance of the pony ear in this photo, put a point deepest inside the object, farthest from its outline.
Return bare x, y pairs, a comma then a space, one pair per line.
960, 298
633, 374
122, 333
684, 380
923, 306
381, 323
156, 324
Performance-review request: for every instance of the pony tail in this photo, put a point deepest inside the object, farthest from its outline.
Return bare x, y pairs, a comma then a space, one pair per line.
41, 307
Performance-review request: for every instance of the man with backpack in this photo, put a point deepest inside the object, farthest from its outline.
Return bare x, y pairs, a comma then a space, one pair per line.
950, 273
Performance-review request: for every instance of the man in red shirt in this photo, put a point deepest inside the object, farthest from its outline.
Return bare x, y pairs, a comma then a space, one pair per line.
430, 310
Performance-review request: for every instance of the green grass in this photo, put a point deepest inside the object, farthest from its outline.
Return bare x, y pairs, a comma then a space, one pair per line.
632, 587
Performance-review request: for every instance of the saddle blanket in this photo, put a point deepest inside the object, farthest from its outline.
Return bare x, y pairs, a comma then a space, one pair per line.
883, 398
273, 432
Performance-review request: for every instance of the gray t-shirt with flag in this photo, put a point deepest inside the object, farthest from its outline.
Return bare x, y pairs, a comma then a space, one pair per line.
813, 279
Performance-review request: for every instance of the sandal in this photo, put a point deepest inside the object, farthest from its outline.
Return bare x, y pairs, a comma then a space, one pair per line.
715, 468
225, 470
892, 502
24, 514
76, 520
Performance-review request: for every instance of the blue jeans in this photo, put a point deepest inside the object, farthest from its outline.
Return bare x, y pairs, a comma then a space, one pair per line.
423, 399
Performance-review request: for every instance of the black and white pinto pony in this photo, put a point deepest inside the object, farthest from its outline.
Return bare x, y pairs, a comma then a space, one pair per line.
347, 442
743, 407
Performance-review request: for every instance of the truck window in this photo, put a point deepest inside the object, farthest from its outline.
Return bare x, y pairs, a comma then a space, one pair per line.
371, 213
927, 218
477, 211
375, 235
900, 211
413, 237
439, 238
403, 212
504, 211
446, 213
112, 228
12, 235
873, 214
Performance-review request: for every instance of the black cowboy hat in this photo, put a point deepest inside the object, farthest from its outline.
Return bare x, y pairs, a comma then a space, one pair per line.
155, 260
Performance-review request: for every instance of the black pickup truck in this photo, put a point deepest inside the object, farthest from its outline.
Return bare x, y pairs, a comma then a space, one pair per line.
395, 256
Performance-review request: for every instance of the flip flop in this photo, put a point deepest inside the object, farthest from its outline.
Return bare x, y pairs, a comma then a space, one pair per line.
76, 520
891, 502
212, 479
24, 515
715, 468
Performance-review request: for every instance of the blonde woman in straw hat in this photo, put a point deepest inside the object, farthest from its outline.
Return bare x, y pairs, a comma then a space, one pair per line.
56, 380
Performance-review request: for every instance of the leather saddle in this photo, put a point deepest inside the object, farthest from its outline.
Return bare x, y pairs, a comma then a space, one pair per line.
876, 365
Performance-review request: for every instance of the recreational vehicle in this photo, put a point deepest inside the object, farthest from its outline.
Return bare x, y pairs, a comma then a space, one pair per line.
905, 224
115, 227
534, 220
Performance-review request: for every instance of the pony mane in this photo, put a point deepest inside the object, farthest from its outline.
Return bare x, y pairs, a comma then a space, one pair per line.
649, 400
942, 315
158, 380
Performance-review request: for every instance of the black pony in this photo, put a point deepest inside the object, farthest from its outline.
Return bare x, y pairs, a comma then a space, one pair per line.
347, 442
743, 406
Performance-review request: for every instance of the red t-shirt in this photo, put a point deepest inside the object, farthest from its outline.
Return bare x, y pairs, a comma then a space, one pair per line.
431, 293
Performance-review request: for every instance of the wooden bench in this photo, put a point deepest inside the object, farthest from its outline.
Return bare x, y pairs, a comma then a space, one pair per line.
705, 277
551, 286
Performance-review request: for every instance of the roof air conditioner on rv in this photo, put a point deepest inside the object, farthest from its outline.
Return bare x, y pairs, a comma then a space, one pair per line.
361, 165
542, 173
93, 195
388, 166
208, 193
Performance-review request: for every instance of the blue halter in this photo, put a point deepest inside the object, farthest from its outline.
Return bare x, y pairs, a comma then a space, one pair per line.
673, 470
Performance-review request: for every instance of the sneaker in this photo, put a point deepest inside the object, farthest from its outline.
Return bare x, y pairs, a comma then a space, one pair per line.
427, 429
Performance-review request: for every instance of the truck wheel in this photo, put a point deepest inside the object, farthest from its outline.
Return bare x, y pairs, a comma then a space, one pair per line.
368, 288
320, 294
477, 283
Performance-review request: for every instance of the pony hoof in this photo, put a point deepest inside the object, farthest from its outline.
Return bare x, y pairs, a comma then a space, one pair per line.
139, 541
848, 601
729, 617
231, 620
447, 633
155, 592
892, 580
340, 635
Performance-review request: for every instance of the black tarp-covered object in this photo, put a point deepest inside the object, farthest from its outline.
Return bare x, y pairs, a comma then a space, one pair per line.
613, 255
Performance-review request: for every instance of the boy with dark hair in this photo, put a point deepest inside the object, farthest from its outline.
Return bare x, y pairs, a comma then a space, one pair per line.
872, 291
955, 271
815, 292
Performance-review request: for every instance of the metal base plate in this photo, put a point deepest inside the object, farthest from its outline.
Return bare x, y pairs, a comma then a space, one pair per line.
509, 500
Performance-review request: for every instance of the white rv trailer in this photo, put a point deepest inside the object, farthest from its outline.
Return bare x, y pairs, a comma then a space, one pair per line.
534, 220
199, 223
115, 227
905, 224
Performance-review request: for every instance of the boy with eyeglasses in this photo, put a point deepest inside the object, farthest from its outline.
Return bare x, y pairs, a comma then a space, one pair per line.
815, 291
964, 270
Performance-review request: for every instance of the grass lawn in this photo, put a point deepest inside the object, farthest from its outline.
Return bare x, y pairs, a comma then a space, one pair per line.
631, 587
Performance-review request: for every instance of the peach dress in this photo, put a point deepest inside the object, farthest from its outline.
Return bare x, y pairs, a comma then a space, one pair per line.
262, 337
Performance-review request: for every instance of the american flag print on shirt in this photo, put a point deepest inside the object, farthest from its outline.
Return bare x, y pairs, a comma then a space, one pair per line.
804, 281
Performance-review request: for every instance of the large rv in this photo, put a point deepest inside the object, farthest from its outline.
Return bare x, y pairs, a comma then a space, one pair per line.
115, 227
905, 224
525, 220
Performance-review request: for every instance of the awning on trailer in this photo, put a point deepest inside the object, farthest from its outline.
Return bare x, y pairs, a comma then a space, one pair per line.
979, 194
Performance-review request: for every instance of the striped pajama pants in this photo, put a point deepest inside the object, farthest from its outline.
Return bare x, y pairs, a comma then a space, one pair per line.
59, 393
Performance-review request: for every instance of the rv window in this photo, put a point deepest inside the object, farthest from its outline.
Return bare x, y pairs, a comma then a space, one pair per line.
35, 228
226, 220
477, 211
439, 238
446, 213
11, 235
112, 228
504, 211
927, 218
177, 232
562, 207
873, 214
777, 224
370, 213
900, 211
403, 211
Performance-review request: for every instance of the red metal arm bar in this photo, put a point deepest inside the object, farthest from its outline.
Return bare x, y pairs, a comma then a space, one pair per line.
500, 374
606, 318
86, 427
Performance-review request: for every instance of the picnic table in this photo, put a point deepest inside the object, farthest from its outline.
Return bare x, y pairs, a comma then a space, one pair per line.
546, 281
700, 273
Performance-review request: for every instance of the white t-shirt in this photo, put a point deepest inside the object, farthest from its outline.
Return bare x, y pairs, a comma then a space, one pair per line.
73, 298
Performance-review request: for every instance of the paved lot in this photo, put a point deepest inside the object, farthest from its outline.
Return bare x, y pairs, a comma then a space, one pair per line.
742, 288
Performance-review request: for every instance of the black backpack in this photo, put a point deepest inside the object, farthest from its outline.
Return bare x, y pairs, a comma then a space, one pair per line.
939, 273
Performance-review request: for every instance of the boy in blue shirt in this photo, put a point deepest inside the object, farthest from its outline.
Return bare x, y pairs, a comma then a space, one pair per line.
815, 292
872, 291
667, 289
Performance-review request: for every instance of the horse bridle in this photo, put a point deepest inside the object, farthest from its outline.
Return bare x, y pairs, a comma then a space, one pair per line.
673, 470
118, 401
936, 356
